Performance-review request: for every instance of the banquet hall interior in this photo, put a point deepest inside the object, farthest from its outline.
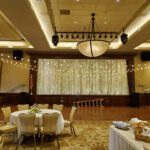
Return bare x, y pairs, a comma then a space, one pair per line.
75, 74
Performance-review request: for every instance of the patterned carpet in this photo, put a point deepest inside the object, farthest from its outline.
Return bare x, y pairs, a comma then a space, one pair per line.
90, 136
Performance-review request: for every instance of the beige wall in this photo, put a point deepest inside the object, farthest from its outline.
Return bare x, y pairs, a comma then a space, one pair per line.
13, 78
142, 77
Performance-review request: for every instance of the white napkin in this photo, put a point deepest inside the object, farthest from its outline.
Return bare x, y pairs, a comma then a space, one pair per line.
136, 120
121, 124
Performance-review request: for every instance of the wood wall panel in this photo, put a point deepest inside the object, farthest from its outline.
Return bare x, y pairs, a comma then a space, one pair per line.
67, 100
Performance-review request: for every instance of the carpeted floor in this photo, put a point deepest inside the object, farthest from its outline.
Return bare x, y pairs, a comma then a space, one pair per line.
90, 136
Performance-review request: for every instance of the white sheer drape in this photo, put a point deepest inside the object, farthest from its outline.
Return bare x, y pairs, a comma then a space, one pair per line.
82, 76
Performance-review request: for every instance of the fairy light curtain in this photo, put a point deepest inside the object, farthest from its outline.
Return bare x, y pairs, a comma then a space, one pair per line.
82, 77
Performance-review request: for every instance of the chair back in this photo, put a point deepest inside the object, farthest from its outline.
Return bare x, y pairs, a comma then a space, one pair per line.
58, 107
50, 122
23, 107
43, 106
27, 122
6, 114
71, 116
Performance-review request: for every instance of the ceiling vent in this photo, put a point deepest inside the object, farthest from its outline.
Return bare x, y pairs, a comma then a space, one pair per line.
65, 12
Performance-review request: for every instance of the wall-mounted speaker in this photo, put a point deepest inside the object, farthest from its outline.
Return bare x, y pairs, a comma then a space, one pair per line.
17, 54
145, 56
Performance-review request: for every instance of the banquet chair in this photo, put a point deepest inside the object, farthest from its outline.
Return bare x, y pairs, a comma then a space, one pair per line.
43, 106
49, 126
23, 107
6, 111
71, 120
27, 126
10, 130
58, 107
7, 127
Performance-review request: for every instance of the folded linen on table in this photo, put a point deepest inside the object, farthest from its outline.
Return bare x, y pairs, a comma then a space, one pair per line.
136, 120
121, 125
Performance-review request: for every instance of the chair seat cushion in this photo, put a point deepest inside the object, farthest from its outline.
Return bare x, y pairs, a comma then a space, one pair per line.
42, 131
2, 122
35, 131
8, 128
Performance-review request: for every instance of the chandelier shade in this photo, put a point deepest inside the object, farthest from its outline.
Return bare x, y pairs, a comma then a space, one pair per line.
93, 48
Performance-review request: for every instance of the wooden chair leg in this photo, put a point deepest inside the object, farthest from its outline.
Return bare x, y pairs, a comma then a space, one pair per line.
42, 141
18, 142
34, 142
74, 131
15, 135
71, 129
57, 141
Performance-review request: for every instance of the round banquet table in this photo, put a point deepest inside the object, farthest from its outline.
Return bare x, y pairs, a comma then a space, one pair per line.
38, 120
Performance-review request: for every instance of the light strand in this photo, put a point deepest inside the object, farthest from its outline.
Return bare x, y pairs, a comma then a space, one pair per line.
24, 64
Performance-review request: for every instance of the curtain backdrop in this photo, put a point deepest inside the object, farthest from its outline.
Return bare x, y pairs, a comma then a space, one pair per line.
82, 77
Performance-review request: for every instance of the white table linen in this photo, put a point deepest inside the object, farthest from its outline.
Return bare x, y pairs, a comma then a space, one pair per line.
38, 120
124, 140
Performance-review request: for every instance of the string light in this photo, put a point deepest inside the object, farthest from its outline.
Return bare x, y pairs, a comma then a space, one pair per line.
24, 64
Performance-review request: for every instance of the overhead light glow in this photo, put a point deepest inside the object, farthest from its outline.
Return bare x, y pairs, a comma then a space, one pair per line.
145, 46
105, 22
117, 1
10, 46
30, 46
41, 13
17, 44
75, 22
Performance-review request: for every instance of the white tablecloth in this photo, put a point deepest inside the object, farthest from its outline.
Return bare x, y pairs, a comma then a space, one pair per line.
38, 120
124, 140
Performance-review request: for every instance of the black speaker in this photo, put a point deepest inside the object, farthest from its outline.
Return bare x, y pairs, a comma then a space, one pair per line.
145, 56
17, 54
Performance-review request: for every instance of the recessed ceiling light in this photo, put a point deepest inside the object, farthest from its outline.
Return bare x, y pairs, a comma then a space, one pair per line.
117, 1
77, 0
75, 22
105, 22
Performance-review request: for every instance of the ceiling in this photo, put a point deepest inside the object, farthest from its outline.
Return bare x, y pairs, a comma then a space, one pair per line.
7, 32
10, 35
31, 22
110, 16
145, 45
